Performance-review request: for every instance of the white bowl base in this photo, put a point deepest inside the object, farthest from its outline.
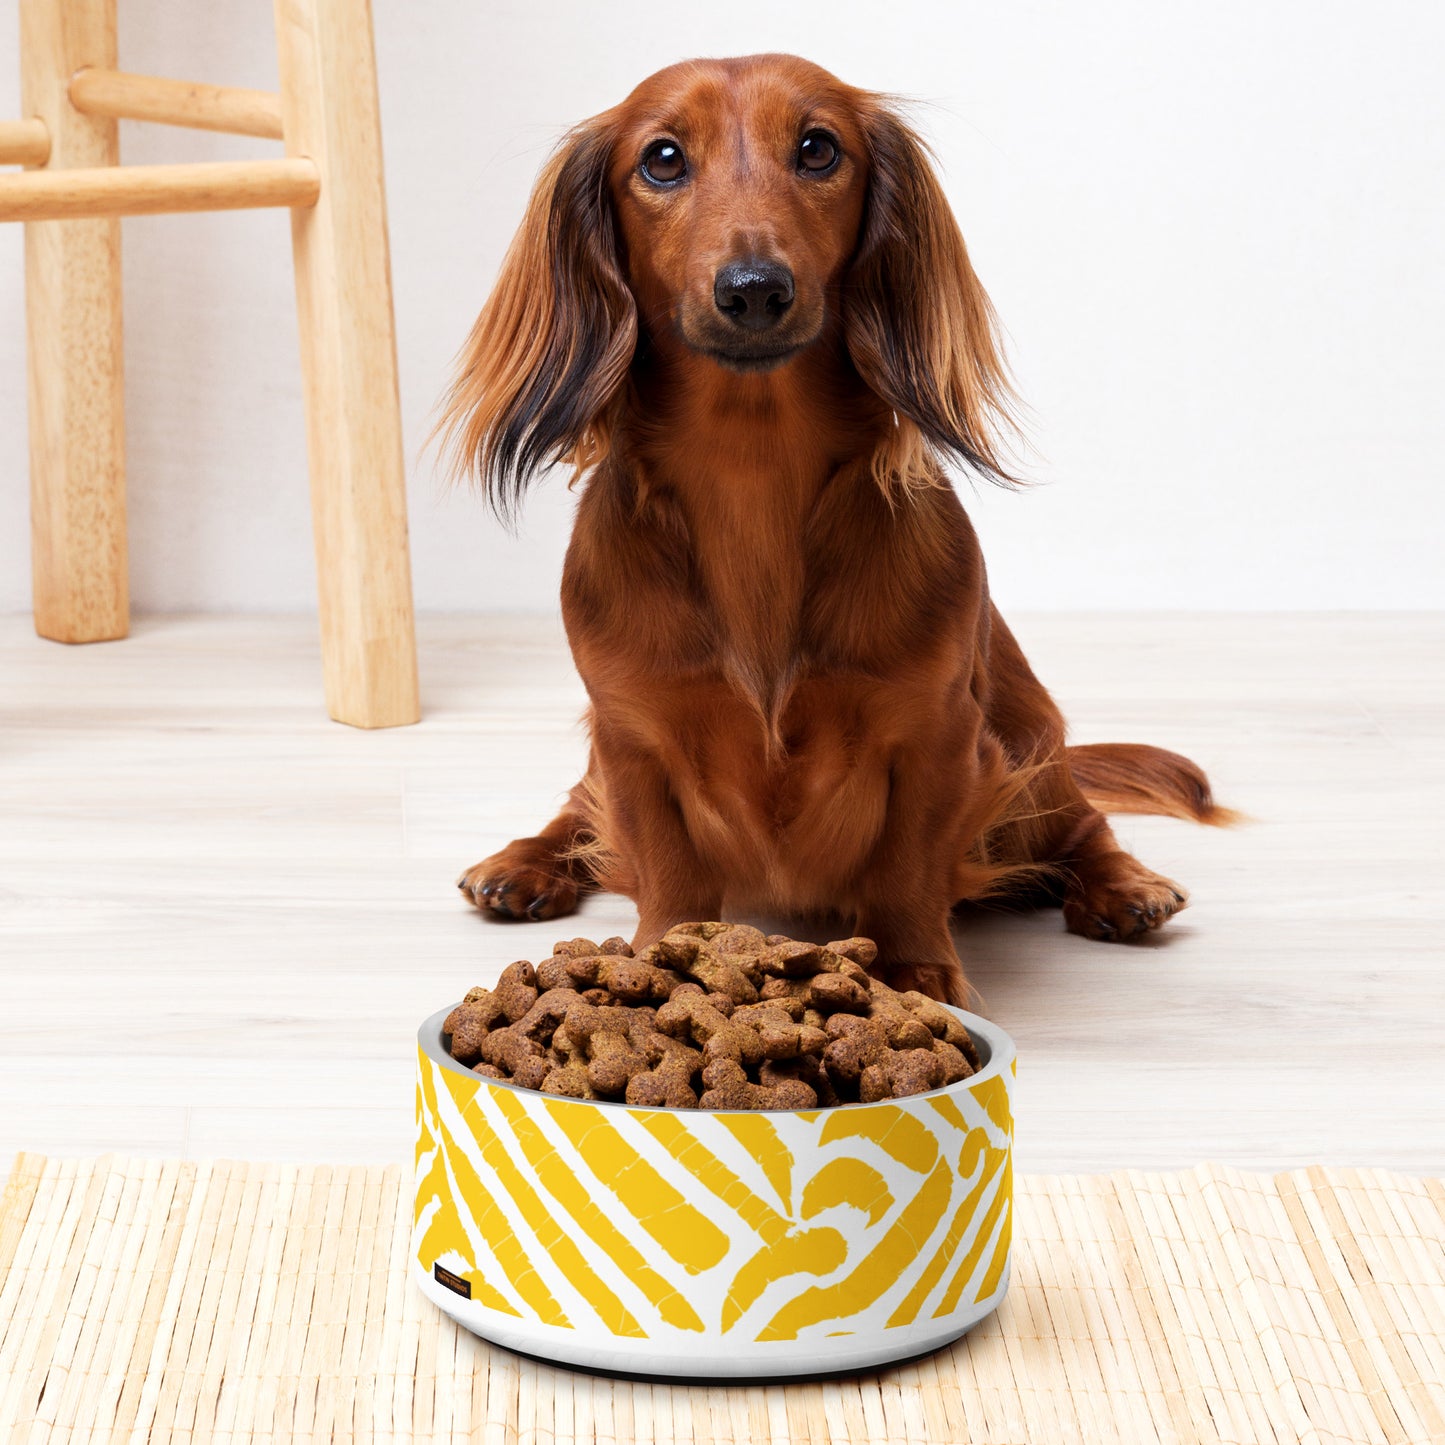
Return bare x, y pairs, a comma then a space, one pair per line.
745, 1360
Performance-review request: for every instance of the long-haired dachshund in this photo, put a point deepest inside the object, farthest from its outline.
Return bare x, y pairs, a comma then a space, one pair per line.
740, 307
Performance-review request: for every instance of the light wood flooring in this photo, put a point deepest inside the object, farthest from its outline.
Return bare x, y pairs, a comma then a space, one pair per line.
223, 916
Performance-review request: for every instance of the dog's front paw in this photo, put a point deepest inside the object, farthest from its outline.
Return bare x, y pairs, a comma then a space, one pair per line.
1117, 900
513, 886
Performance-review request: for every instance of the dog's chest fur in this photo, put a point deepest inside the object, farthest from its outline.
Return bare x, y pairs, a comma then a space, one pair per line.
775, 657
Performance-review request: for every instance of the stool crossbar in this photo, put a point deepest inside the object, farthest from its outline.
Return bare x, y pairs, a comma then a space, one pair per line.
71, 197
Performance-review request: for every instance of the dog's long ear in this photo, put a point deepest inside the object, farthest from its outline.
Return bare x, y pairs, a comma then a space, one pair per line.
548, 353
919, 325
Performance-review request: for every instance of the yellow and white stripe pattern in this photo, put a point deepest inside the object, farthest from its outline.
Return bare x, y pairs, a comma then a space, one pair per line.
708, 1230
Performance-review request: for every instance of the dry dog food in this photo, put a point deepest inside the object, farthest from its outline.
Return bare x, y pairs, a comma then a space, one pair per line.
713, 1016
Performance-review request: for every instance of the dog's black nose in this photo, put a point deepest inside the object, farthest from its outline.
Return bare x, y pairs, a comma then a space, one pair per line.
754, 294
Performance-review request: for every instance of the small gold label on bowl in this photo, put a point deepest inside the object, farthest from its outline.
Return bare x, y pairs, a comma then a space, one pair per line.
451, 1281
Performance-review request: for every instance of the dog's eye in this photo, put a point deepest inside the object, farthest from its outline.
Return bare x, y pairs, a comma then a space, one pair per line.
818, 152
664, 162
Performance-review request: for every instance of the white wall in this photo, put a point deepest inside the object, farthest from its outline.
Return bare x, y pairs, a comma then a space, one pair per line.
1213, 230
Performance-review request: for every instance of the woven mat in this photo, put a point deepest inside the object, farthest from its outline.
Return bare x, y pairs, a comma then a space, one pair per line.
159, 1300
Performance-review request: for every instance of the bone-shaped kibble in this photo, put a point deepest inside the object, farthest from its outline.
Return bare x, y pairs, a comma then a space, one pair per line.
542, 1020
739, 938
774, 989
797, 960
773, 1010
704, 931
902, 1029
569, 1080
523, 1059
781, 1036
654, 1045
720, 1001
899, 1074
630, 980
583, 1020
668, 1084
691, 956
728, 1087
552, 973
832, 993
791, 1004
611, 1059
575, 947
691, 1017
744, 946
516, 989
807, 1069
862, 951
940, 1022
856, 1044
955, 1062
470, 1022
565, 1047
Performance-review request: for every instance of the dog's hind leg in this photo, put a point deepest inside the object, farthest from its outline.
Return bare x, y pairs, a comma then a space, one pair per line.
539, 877
1105, 891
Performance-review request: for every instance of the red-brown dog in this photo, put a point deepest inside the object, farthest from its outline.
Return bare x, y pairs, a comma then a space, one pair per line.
740, 305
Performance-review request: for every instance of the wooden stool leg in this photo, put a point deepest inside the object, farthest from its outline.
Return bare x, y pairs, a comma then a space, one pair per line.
72, 296
348, 359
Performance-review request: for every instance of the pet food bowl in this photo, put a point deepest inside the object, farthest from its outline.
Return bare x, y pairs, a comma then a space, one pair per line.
711, 1243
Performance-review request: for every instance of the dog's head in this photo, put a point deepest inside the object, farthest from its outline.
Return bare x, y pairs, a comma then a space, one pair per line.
730, 214
739, 190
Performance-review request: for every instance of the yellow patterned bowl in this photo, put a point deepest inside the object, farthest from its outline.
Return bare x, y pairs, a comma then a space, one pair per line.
713, 1243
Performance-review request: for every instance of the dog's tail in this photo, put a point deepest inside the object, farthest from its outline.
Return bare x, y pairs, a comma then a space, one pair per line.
1135, 778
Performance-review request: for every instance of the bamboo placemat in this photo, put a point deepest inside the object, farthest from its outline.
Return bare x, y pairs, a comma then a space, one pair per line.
153, 1300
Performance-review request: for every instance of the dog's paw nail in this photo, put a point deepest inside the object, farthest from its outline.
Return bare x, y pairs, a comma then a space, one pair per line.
487, 891
1106, 929
535, 907
1177, 896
